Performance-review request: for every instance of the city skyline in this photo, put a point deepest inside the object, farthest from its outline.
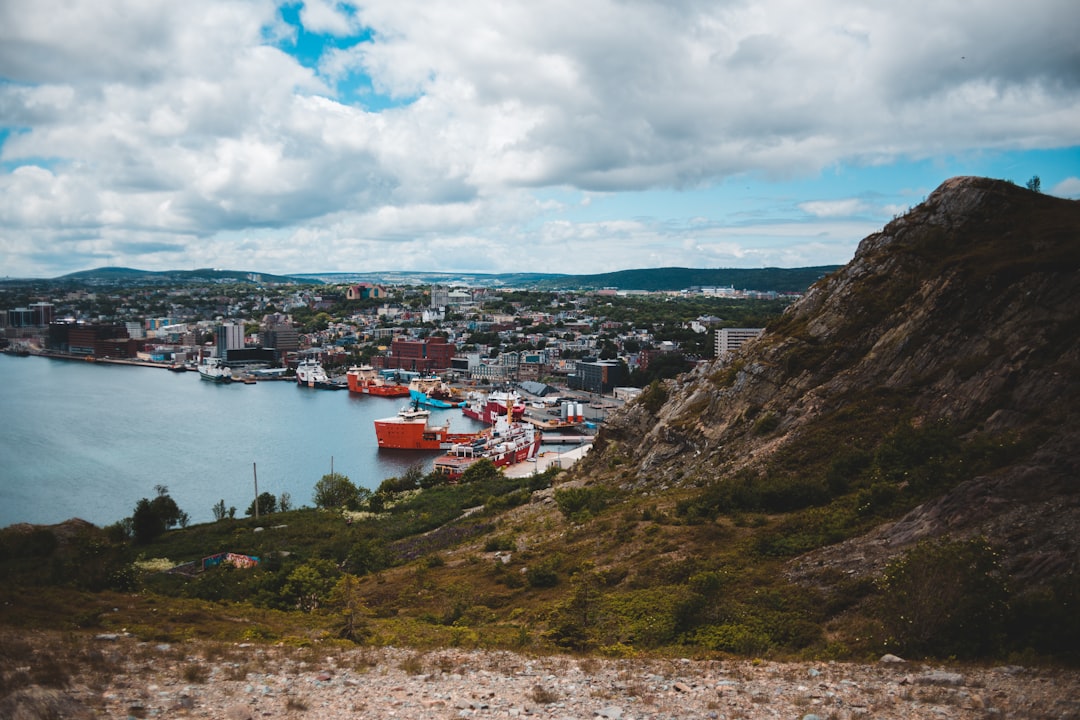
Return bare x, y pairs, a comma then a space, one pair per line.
574, 138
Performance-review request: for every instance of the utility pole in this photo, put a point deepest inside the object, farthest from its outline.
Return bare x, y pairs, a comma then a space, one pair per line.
255, 473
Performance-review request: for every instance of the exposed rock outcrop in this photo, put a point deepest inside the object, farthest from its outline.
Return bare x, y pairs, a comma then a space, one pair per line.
964, 310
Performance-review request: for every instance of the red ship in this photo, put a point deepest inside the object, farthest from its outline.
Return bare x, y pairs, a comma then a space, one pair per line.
486, 408
364, 379
505, 443
409, 430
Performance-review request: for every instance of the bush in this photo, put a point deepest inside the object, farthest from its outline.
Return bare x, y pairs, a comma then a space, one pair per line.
335, 490
654, 397
945, 599
580, 503
267, 505
543, 574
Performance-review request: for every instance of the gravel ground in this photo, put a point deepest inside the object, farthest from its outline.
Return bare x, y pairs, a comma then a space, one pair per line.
125, 679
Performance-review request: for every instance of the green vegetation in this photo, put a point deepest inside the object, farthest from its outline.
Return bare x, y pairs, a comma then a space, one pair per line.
945, 599
153, 517
609, 573
334, 490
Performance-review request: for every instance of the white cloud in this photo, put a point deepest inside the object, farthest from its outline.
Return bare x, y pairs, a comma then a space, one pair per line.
834, 208
331, 18
1067, 188
151, 126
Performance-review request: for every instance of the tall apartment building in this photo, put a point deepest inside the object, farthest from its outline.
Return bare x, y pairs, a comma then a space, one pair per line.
230, 336
728, 340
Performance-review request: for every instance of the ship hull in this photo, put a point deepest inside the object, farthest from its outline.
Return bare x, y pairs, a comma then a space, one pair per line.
504, 445
415, 434
365, 381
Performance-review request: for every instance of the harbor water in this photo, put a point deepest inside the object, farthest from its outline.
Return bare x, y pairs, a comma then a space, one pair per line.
88, 440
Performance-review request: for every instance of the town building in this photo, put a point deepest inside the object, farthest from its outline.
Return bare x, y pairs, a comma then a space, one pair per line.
93, 340
229, 336
364, 291
428, 355
598, 376
728, 340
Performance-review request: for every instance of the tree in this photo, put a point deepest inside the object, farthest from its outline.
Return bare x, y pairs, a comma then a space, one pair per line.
308, 585
335, 490
346, 599
220, 513
151, 518
267, 504
167, 509
1034, 184
146, 524
285, 502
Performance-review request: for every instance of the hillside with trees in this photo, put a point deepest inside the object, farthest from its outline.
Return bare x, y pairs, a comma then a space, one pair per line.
891, 467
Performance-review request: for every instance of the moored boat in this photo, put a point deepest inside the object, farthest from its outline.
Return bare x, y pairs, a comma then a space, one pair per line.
487, 407
366, 380
310, 373
410, 430
505, 443
434, 392
212, 369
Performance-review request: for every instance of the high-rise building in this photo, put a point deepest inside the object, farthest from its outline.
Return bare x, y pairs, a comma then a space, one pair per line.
728, 340
230, 336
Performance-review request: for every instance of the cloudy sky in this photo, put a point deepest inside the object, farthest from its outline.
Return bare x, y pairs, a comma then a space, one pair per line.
511, 135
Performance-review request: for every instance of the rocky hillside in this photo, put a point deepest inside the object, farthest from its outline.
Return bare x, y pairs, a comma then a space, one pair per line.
951, 337
773, 506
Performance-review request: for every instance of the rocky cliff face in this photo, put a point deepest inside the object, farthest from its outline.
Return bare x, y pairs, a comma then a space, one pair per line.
964, 311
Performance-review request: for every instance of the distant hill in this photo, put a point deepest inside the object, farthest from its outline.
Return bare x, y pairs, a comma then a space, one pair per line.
647, 279
122, 274
679, 278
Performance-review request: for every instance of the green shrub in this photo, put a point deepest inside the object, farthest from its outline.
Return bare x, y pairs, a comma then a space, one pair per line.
732, 638
543, 574
653, 397
335, 490
945, 599
580, 503
501, 543
766, 423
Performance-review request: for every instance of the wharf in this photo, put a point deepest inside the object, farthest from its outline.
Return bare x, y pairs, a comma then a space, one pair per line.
545, 460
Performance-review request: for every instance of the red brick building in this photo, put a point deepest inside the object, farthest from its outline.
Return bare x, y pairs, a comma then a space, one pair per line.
94, 340
428, 355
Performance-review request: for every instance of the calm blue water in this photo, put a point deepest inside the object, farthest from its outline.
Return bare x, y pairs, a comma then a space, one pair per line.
88, 440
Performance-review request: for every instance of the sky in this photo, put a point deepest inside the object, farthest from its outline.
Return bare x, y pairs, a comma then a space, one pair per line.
561, 136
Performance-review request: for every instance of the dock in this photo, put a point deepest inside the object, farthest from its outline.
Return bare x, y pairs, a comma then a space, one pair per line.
545, 460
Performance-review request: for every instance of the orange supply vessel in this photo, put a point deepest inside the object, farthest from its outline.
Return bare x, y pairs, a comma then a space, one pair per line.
409, 430
364, 379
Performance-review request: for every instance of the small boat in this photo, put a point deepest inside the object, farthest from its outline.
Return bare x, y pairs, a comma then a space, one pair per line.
212, 369
310, 373
364, 379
